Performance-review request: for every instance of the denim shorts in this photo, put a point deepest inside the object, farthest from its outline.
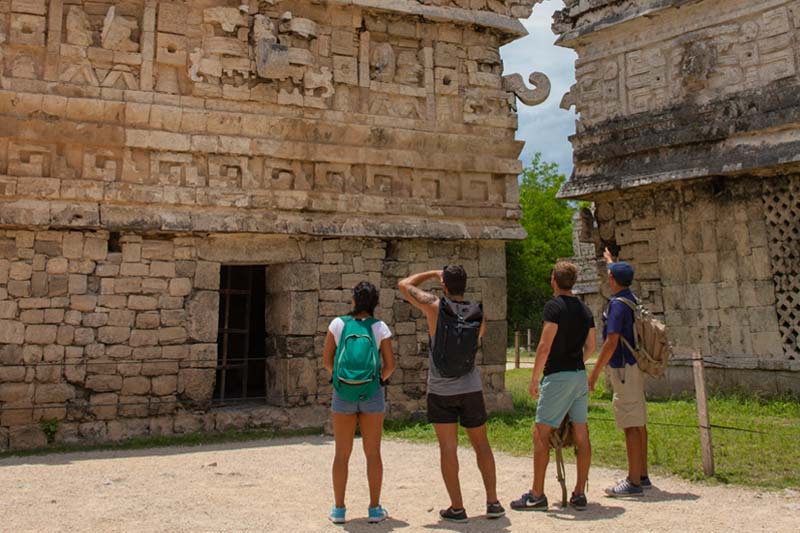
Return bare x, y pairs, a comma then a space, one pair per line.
561, 393
374, 405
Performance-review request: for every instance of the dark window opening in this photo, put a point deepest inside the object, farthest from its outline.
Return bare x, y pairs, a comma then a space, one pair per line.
241, 368
114, 246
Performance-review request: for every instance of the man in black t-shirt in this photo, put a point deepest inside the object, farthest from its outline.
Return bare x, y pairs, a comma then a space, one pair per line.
568, 339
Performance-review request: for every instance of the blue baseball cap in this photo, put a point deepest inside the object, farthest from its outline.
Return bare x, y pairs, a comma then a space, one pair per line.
622, 272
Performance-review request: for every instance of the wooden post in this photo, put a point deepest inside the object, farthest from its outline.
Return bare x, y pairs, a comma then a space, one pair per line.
529, 342
706, 447
516, 349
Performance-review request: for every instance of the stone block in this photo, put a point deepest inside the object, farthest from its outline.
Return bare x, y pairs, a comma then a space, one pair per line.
292, 313
159, 368
188, 423
492, 260
148, 320
196, 384
134, 269
41, 334
57, 265
54, 394
494, 298
12, 332
103, 406
494, 342
10, 354
104, 382
113, 334
207, 275
143, 337
83, 302
8, 309
95, 249
202, 356
162, 269
165, 385
293, 277
121, 317
142, 303
26, 437
203, 316
174, 335
180, 287
133, 386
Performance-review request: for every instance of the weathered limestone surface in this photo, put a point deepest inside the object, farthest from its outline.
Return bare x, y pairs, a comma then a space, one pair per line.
130, 336
145, 144
262, 114
687, 143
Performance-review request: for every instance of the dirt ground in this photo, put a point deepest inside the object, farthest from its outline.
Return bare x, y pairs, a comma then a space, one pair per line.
283, 485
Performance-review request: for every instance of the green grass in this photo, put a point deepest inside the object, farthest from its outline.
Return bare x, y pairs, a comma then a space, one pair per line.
771, 460
162, 441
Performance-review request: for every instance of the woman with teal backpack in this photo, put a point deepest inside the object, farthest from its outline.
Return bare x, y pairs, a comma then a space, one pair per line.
358, 354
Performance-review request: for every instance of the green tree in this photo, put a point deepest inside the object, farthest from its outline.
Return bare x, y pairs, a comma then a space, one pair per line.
548, 222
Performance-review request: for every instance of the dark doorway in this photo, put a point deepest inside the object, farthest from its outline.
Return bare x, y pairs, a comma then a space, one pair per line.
241, 368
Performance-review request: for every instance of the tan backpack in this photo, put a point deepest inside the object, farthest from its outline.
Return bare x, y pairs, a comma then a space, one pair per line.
650, 347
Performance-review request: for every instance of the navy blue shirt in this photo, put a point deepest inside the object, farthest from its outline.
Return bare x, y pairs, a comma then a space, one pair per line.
618, 318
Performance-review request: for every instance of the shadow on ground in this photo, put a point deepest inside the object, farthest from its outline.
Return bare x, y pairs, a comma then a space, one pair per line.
67, 457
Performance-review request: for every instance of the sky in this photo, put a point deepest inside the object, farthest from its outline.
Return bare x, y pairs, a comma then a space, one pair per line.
545, 127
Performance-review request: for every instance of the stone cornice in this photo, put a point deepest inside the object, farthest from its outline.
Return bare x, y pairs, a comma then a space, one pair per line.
753, 131
604, 14
511, 28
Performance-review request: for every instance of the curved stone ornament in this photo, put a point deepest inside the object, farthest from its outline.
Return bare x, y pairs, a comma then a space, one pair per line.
531, 97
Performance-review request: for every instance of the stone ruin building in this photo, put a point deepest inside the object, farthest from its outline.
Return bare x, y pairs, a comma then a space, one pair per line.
188, 190
688, 144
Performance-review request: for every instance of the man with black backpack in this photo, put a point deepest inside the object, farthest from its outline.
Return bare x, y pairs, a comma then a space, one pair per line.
455, 391
627, 379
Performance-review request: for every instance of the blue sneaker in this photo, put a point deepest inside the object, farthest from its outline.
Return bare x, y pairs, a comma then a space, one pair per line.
337, 514
377, 514
624, 489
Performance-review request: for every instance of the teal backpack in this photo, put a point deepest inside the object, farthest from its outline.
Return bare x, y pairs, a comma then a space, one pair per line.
357, 366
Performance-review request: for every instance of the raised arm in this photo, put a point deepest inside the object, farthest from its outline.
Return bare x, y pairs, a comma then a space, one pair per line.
424, 301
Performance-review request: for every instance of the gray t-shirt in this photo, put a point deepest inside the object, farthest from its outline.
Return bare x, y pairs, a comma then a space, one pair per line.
441, 386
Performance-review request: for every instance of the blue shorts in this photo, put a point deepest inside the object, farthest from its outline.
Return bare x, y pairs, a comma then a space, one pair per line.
374, 405
561, 393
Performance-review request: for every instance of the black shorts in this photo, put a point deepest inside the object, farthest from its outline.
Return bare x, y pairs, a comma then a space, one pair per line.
469, 409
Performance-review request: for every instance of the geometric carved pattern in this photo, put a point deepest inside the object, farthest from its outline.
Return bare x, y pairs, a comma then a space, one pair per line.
782, 206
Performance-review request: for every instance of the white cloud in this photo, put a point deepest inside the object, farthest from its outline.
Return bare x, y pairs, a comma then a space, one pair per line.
544, 128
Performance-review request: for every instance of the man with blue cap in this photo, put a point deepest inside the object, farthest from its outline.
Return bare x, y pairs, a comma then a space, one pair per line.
627, 380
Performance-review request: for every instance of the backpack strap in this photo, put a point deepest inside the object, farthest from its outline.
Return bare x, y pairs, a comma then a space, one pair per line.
634, 308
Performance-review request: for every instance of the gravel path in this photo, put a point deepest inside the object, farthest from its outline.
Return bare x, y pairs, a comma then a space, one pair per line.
283, 485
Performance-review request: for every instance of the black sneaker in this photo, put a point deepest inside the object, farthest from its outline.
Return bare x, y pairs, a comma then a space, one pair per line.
454, 515
528, 502
646, 483
494, 510
578, 501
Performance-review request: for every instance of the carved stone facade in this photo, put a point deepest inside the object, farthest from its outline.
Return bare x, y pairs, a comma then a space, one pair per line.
145, 145
687, 144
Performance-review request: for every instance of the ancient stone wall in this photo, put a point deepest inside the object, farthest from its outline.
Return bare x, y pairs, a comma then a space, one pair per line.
260, 113
115, 335
670, 90
145, 145
717, 261
687, 145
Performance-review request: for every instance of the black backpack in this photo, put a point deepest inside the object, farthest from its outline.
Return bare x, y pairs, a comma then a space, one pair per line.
455, 343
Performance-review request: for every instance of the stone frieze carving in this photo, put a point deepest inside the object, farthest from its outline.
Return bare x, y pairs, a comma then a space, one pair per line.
531, 97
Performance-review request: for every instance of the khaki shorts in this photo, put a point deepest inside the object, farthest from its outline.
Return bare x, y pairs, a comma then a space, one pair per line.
628, 403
